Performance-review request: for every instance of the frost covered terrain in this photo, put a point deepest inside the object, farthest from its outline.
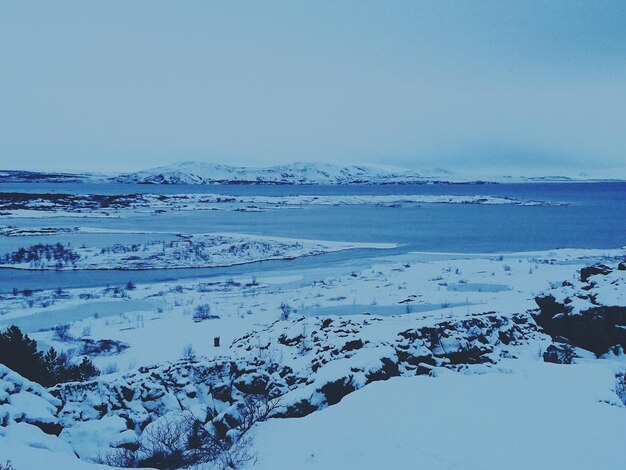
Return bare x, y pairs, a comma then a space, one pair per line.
299, 173
190, 172
103, 206
188, 251
382, 357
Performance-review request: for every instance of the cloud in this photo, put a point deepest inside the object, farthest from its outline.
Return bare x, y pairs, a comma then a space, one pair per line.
448, 83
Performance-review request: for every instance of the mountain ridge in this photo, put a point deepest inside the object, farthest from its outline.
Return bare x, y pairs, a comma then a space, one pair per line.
190, 172
297, 173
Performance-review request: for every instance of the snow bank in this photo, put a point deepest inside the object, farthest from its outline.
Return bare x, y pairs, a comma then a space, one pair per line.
542, 417
28, 427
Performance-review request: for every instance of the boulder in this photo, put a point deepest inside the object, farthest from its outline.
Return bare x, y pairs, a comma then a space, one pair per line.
586, 273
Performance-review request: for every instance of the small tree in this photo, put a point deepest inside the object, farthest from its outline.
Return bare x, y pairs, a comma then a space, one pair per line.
19, 353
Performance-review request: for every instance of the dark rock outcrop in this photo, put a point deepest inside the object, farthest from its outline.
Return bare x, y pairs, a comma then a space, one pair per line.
559, 353
587, 272
596, 328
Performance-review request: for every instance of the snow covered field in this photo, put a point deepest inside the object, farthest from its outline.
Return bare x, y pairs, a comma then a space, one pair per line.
189, 251
523, 390
100, 206
526, 416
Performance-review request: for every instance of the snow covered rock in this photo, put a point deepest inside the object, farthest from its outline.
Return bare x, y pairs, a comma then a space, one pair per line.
589, 313
24, 401
332, 357
304, 364
29, 427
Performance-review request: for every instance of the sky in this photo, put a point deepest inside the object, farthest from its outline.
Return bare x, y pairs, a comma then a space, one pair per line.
532, 86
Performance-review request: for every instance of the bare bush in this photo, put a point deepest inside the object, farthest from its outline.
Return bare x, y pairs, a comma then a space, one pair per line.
203, 312
111, 368
121, 457
181, 440
285, 311
189, 352
62, 332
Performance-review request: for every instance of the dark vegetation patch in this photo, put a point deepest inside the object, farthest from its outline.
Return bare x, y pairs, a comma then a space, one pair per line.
19, 353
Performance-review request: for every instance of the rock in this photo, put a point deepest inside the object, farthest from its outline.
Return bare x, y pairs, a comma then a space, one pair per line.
595, 329
549, 308
559, 354
299, 409
389, 369
253, 384
352, 345
586, 273
335, 391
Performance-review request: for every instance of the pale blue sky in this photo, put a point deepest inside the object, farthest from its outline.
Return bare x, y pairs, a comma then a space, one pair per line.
122, 85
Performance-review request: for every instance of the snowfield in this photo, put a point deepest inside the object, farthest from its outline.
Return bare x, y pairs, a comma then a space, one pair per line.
452, 377
303, 173
189, 172
190, 251
124, 205
535, 416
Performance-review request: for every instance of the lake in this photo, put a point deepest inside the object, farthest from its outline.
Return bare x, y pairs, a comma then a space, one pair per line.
593, 218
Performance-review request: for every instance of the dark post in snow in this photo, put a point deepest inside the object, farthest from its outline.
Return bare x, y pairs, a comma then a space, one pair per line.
216, 342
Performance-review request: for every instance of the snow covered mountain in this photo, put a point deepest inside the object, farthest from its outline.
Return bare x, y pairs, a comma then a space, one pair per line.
302, 173
21, 176
189, 172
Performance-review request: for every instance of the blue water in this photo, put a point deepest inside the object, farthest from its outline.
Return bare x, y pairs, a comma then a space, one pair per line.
595, 217
574, 192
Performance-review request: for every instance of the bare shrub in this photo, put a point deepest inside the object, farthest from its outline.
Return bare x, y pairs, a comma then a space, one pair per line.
203, 312
111, 368
180, 440
121, 457
285, 311
62, 332
189, 352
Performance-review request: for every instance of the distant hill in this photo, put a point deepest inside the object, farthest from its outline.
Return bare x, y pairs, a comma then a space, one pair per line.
20, 176
302, 173
295, 173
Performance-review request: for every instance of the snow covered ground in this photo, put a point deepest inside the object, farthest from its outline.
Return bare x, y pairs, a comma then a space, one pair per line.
189, 251
484, 394
306, 173
527, 416
190, 172
100, 206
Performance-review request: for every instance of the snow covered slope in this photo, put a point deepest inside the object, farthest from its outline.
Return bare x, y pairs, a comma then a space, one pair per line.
296, 173
29, 426
540, 416
190, 172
